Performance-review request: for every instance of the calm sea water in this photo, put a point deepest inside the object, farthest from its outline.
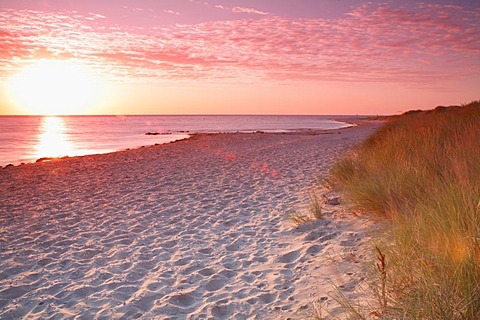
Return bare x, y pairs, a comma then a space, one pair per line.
28, 138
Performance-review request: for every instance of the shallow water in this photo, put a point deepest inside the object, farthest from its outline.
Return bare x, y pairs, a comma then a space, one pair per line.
27, 138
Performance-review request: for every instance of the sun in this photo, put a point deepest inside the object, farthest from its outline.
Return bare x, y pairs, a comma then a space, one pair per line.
55, 87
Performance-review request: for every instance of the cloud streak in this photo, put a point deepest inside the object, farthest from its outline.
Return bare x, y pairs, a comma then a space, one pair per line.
372, 43
235, 9
248, 10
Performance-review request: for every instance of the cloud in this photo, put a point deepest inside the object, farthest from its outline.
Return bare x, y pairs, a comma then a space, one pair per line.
372, 43
235, 9
172, 12
248, 10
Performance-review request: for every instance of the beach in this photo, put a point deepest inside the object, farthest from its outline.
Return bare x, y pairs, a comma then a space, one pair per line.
194, 229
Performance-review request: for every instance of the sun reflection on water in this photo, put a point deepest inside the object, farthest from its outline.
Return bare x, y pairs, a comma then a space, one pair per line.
53, 139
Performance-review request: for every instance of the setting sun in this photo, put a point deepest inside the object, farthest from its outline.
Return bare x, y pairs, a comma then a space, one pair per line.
53, 87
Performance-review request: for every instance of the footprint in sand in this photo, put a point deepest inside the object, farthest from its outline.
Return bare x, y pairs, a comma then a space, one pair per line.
182, 261
267, 298
228, 274
329, 236
233, 247
248, 278
232, 265
216, 283
169, 244
155, 286
314, 249
207, 272
182, 300
191, 269
289, 257
258, 273
206, 250
260, 259
246, 264
314, 235
145, 303
221, 311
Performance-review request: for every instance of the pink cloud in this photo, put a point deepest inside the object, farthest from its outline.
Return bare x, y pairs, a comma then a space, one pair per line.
372, 43
235, 9
248, 10
172, 12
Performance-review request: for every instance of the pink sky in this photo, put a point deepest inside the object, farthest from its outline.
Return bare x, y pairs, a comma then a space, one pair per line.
252, 56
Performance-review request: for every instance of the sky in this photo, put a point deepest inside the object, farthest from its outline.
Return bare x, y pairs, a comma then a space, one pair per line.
327, 57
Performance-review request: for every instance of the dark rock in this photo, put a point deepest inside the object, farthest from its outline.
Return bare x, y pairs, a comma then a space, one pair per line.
333, 201
157, 133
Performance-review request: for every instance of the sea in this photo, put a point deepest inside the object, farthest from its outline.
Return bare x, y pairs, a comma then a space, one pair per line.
26, 139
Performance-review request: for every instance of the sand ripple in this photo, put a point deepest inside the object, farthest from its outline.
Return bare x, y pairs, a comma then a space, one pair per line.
190, 230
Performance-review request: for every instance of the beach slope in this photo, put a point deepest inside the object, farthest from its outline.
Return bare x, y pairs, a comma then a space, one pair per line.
194, 229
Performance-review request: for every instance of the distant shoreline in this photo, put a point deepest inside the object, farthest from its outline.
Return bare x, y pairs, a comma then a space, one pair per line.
154, 136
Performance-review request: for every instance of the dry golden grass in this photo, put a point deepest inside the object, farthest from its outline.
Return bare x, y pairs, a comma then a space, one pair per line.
299, 218
315, 206
422, 172
314, 211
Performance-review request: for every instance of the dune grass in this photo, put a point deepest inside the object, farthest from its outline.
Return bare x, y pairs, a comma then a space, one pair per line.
315, 206
421, 171
314, 211
299, 218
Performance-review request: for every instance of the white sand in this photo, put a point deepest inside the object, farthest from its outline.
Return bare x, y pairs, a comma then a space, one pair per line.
195, 229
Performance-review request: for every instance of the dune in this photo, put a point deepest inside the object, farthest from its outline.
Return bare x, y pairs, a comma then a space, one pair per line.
195, 229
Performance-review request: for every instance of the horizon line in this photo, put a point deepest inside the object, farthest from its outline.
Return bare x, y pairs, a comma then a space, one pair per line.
192, 114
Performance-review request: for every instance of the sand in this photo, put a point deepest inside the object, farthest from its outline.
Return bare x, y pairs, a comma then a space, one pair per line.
196, 229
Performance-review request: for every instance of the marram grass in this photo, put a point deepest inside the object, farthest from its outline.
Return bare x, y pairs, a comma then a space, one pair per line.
315, 206
314, 211
422, 172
